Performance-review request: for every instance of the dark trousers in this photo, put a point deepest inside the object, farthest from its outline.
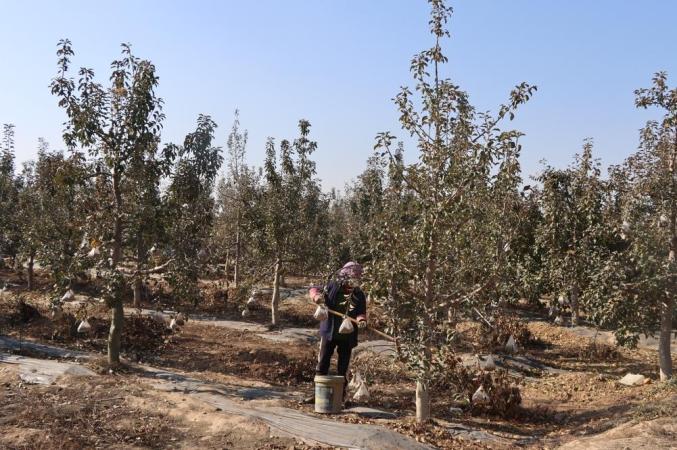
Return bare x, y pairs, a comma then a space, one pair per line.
327, 350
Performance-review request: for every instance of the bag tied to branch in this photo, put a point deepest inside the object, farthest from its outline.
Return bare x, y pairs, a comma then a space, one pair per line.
362, 394
346, 326
480, 397
511, 345
355, 382
321, 313
84, 327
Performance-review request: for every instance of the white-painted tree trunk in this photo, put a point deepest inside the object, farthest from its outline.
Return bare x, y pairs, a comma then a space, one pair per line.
115, 333
117, 311
422, 402
664, 353
667, 310
274, 303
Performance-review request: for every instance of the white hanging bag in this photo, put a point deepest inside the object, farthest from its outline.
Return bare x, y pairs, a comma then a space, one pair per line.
57, 312
68, 296
84, 327
355, 382
346, 326
362, 394
480, 397
321, 313
489, 364
180, 319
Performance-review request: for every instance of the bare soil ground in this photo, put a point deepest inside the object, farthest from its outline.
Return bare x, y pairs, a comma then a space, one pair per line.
555, 409
584, 399
117, 412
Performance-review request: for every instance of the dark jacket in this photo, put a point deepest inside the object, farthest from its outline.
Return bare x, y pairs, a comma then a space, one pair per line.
358, 307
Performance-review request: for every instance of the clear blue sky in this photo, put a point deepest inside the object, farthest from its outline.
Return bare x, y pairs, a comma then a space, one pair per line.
339, 63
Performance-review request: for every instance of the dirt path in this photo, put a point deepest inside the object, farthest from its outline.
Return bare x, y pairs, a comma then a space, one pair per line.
286, 422
41, 371
258, 403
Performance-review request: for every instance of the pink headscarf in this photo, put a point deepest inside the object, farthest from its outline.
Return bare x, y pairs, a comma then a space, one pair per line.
351, 270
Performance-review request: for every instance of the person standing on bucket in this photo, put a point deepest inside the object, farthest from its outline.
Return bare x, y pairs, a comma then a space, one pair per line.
346, 297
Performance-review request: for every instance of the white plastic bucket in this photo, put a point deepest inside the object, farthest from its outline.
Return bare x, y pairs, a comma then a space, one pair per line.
328, 394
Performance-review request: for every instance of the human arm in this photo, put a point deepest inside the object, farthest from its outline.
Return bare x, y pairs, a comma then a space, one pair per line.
361, 309
316, 295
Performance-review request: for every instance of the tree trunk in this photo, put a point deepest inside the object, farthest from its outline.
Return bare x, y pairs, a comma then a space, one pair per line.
236, 275
392, 298
574, 305
138, 292
117, 223
117, 313
664, 354
422, 402
226, 268
431, 266
31, 260
274, 304
115, 334
667, 310
141, 259
422, 393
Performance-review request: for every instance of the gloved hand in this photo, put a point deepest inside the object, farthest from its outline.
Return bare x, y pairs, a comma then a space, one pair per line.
362, 324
